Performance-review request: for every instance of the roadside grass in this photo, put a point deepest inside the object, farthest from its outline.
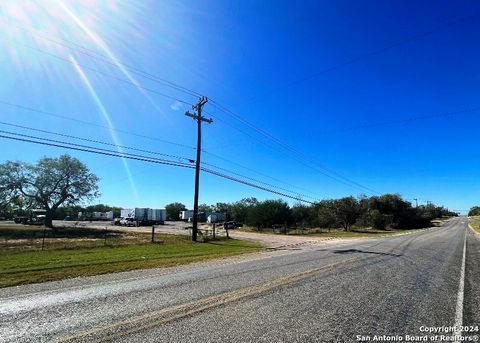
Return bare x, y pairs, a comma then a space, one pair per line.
85, 255
364, 233
475, 223
355, 232
334, 233
26, 237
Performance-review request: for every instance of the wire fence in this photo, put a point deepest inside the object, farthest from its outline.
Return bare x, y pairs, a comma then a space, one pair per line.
84, 234
18, 237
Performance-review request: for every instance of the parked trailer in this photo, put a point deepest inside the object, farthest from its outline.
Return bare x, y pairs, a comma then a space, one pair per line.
216, 217
34, 217
143, 216
184, 215
102, 215
158, 214
95, 215
126, 212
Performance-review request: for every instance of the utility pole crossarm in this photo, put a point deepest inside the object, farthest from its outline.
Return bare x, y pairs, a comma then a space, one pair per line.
196, 117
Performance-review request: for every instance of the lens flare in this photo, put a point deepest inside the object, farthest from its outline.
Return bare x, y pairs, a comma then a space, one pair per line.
106, 116
100, 43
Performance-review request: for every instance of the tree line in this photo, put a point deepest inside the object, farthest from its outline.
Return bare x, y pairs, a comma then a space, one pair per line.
388, 211
60, 185
474, 211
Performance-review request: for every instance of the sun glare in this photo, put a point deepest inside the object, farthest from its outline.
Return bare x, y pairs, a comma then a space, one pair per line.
53, 27
42, 24
107, 118
44, 27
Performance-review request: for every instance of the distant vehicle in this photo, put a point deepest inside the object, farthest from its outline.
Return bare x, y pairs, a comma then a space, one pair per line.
128, 222
68, 219
117, 221
216, 217
35, 217
20, 220
38, 220
186, 215
96, 215
231, 225
143, 216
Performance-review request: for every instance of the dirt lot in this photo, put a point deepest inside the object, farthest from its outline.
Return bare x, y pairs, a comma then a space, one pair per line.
271, 240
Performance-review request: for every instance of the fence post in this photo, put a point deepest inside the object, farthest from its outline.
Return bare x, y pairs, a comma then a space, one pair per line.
105, 242
214, 224
153, 233
44, 233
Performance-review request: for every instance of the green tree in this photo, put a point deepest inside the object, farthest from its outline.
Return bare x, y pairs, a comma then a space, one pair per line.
379, 220
174, 209
239, 209
325, 214
205, 208
269, 212
474, 211
223, 207
50, 183
347, 211
302, 215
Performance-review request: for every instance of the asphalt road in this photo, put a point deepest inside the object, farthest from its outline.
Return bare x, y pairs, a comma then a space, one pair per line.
325, 291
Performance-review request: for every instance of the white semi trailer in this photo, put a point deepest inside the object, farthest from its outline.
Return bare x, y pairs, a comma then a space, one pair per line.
186, 214
142, 216
102, 215
216, 217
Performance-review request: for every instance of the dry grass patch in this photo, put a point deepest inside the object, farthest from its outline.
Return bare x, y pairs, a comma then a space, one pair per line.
83, 252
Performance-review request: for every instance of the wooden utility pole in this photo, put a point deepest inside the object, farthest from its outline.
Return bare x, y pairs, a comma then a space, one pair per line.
198, 117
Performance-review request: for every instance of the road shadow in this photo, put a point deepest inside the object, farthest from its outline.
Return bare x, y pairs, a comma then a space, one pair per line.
355, 251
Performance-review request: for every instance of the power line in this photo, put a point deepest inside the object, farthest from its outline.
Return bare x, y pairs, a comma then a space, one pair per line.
372, 53
81, 146
257, 186
106, 152
257, 172
189, 160
105, 59
119, 79
360, 58
311, 160
301, 156
94, 141
112, 153
345, 181
93, 54
56, 115
256, 180
162, 94
407, 120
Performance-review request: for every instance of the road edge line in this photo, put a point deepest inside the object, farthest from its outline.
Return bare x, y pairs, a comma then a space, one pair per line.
461, 287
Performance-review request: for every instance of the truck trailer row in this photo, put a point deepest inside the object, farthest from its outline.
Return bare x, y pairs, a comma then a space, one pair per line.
142, 216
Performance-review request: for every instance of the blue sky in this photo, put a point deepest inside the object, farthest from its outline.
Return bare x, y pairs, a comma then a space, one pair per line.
268, 62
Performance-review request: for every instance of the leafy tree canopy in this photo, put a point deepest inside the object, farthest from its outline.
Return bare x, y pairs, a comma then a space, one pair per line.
50, 183
174, 209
